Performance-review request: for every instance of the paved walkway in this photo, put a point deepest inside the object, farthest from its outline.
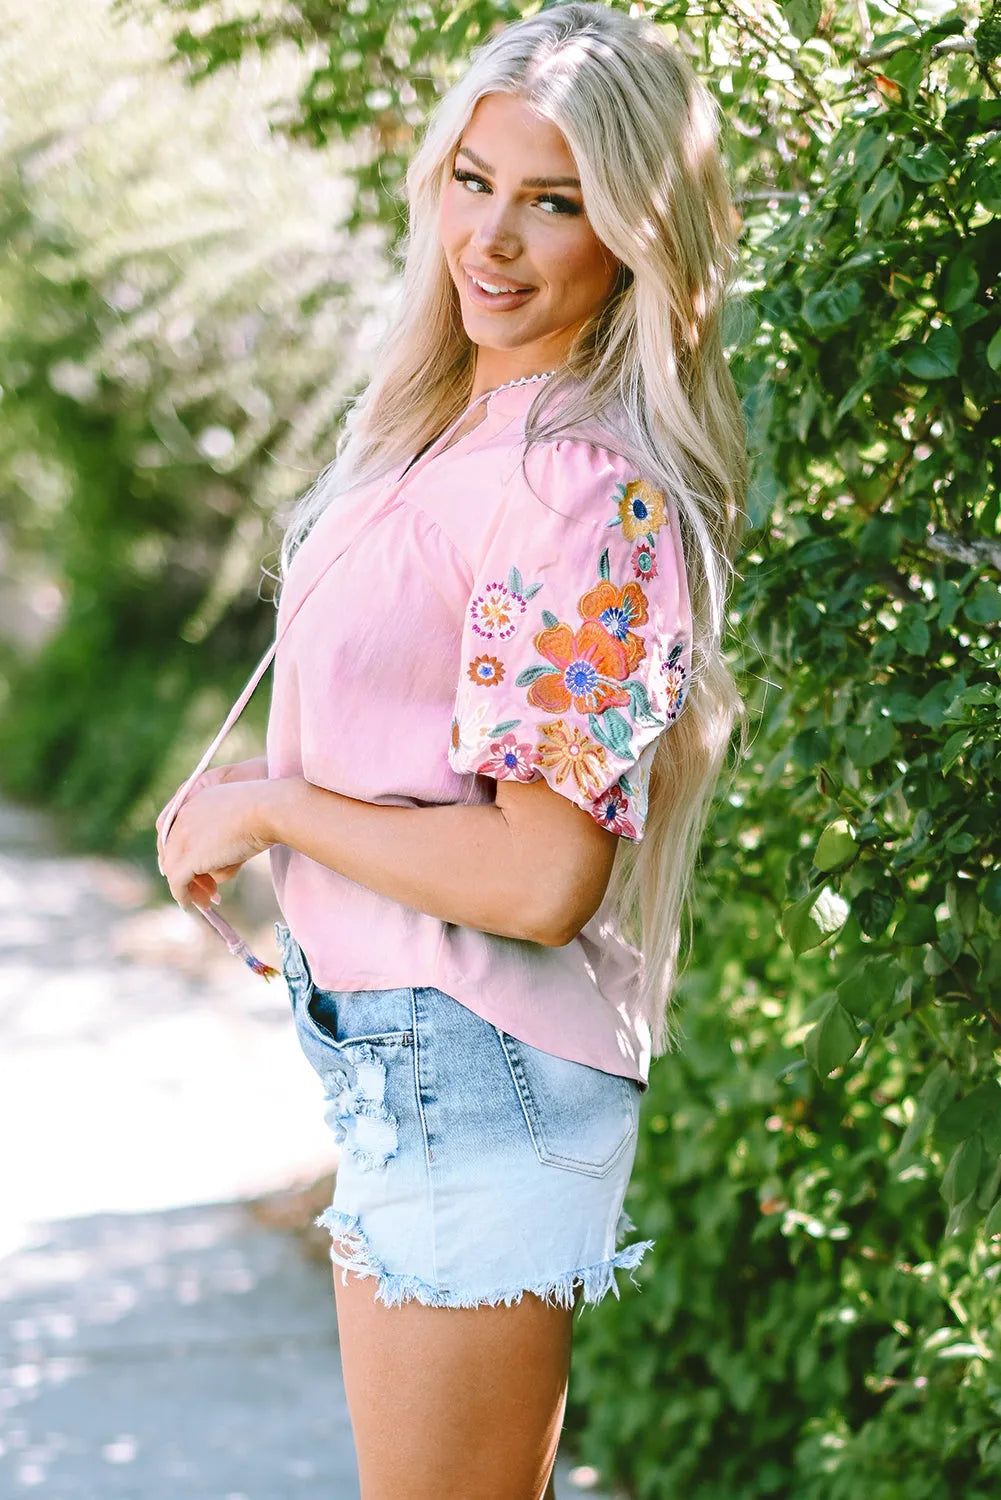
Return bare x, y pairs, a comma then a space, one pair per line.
164, 1335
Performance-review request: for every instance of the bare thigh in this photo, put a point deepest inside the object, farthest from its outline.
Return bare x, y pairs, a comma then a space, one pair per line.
452, 1403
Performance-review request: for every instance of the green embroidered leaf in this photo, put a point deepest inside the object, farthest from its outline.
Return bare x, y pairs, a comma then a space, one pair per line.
612, 731
531, 591
627, 785
675, 656
532, 674
604, 571
514, 582
640, 705
549, 619
504, 728
615, 521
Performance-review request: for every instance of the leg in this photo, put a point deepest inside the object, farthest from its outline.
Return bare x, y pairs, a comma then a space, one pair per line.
453, 1403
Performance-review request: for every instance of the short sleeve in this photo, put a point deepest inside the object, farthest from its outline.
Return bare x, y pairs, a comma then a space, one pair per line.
576, 639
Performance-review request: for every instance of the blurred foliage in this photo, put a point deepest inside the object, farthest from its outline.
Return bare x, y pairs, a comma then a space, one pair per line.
183, 315
821, 1161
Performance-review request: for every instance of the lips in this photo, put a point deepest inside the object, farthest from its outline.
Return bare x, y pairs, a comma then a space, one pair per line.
501, 301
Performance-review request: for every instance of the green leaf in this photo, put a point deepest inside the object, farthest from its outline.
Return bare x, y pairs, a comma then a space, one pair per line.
905, 67
916, 926
833, 1040
991, 892
964, 1116
532, 674
801, 16
836, 846
604, 571
961, 282
964, 907
514, 582
992, 1225
953, 749
872, 910
936, 358
640, 705
612, 730
994, 351
984, 605
504, 728
807, 922
930, 164
549, 619
832, 307
868, 746
913, 633
963, 1171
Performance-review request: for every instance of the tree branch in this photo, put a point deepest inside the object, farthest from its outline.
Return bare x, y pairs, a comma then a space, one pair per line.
975, 550
947, 44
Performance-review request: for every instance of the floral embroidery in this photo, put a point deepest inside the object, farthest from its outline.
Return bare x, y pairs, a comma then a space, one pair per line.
474, 726
568, 752
588, 665
618, 610
644, 561
509, 758
674, 675
486, 670
641, 511
610, 811
497, 610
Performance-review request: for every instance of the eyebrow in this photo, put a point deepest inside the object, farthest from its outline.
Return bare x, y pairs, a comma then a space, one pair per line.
535, 182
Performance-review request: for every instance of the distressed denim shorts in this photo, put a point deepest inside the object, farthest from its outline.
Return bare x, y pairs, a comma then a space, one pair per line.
473, 1167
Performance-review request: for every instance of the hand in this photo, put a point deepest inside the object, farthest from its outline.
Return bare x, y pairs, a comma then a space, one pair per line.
238, 770
216, 831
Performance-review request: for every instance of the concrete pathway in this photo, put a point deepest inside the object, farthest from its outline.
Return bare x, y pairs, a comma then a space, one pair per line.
164, 1333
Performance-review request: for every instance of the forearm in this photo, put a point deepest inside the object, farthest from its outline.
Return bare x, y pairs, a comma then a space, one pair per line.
461, 864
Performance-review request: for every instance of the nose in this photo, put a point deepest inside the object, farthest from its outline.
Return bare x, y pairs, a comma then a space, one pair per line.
496, 233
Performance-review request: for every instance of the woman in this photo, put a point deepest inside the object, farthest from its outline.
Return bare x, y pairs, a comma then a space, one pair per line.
498, 717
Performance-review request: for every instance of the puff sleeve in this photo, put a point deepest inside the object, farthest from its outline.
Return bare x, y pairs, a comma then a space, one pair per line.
576, 639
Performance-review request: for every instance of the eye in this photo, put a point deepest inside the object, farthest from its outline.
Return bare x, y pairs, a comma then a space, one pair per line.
557, 205
461, 176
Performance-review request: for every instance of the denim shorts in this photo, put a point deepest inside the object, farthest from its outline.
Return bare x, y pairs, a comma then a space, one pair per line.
473, 1167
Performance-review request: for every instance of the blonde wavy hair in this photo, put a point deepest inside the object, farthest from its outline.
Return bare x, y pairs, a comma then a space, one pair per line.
647, 374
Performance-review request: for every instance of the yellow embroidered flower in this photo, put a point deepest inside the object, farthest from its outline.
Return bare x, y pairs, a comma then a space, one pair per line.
641, 511
571, 753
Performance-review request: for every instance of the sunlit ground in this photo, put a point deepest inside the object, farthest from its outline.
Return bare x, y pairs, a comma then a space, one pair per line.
160, 1339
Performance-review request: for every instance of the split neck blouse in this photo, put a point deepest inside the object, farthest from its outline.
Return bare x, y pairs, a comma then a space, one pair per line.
498, 613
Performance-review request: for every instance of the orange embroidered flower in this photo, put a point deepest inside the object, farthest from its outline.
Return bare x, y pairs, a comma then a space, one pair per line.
590, 663
568, 752
455, 734
486, 670
641, 511
618, 609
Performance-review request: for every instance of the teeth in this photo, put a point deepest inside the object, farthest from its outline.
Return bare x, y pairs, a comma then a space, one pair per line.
495, 291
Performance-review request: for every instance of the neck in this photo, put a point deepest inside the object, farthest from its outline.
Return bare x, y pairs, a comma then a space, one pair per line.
495, 368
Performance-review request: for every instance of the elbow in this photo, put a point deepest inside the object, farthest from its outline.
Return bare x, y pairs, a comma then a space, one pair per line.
557, 926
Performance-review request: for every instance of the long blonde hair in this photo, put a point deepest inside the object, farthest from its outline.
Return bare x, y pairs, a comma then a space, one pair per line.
647, 372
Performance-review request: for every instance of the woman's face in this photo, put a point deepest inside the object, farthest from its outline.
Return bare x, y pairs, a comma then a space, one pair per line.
528, 267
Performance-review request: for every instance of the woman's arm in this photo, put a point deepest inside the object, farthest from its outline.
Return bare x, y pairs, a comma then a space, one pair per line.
530, 865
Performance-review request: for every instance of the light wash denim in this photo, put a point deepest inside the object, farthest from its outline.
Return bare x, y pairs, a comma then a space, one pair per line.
473, 1167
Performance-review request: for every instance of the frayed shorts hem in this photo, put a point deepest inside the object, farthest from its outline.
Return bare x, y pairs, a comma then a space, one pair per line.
394, 1289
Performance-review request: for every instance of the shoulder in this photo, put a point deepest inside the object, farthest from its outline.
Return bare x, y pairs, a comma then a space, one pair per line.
580, 479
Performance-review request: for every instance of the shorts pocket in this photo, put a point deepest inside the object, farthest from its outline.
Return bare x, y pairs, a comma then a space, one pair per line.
579, 1117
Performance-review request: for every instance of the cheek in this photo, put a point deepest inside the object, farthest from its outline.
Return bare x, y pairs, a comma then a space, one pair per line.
582, 270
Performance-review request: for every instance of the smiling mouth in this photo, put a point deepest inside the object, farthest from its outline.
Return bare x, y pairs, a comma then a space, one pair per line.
496, 288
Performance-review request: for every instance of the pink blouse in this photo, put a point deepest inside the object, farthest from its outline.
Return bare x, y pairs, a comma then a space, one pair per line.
487, 620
